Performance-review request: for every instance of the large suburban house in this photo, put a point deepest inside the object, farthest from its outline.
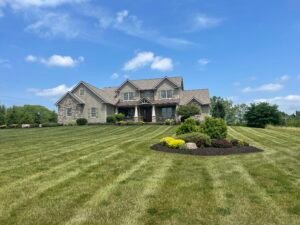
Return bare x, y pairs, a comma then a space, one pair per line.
148, 100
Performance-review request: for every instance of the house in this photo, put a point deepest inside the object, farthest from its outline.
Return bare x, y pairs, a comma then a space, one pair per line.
148, 100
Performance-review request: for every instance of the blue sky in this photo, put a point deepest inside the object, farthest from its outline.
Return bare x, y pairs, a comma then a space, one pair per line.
242, 50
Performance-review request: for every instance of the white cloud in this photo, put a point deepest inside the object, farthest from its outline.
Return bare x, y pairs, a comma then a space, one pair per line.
56, 60
140, 60
52, 25
204, 62
284, 78
31, 58
19, 4
162, 64
121, 16
271, 87
5, 63
202, 21
143, 59
288, 104
115, 76
51, 92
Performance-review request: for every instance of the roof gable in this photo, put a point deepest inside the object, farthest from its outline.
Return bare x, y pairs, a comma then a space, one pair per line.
127, 82
168, 80
72, 96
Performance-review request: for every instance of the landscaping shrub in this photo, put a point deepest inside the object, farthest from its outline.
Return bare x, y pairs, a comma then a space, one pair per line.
186, 111
110, 119
221, 143
81, 121
169, 122
215, 128
201, 140
238, 143
115, 118
172, 142
51, 124
188, 126
119, 117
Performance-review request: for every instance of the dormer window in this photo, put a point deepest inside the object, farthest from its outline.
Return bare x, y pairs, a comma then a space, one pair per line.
81, 91
128, 96
166, 94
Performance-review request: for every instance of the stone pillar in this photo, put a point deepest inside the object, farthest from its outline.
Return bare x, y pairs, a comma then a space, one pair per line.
136, 115
116, 110
153, 114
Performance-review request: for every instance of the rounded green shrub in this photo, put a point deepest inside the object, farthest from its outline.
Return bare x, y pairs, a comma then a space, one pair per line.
200, 139
110, 119
81, 121
188, 126
215, 128
221, 143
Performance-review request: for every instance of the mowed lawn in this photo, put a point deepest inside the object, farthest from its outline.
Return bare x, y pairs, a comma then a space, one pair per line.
108, 175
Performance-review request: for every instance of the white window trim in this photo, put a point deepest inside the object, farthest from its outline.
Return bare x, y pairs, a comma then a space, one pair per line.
167, 94
92, 112
81, 89
67, 112
127, 100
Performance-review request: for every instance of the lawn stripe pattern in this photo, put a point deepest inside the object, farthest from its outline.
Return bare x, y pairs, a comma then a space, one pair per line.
108, 175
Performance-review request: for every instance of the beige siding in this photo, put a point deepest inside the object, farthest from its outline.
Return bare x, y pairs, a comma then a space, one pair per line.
110, 110
166, 85
129, 88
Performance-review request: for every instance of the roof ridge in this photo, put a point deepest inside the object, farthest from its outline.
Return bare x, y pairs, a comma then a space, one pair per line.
201, 89
156, 78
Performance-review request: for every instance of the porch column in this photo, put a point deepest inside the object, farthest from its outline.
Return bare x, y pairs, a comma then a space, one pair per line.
116, 110
136, 115
177, 118
153, 114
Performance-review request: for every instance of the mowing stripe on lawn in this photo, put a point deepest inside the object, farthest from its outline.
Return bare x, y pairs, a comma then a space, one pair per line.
103, 193
6, 208
135, 215
75, 149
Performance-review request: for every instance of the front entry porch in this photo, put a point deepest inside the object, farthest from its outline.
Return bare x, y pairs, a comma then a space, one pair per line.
148, 113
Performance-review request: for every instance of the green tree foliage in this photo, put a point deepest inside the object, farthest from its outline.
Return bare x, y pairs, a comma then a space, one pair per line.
2, 115
262, 114
186, 111
218, 108
29, 114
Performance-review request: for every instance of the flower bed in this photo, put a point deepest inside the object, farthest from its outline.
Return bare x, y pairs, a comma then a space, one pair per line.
207, 151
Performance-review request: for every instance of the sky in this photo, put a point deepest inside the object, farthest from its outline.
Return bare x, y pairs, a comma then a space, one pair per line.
245, 51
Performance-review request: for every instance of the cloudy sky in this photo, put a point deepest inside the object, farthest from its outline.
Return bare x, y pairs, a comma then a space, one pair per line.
241, 50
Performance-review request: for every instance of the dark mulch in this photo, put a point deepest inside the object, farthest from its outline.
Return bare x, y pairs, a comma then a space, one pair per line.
207, 151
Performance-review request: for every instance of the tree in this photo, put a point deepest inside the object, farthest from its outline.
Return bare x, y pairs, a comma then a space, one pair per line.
186, 111
218, 108
262, 114
2, 115
26, 118
12, 115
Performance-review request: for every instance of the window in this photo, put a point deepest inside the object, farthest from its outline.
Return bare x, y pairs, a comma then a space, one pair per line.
167, 112
166, 94
69, 111
93, 112
81, 91
128, 96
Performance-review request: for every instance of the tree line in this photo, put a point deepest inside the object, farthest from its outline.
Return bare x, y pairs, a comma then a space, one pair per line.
27, 114
253, 115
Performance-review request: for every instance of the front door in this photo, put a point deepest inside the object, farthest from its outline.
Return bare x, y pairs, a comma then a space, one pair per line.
146, 113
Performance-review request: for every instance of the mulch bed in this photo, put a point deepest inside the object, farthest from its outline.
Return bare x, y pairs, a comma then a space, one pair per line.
210, 151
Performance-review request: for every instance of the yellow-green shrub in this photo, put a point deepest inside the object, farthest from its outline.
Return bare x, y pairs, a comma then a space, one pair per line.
172, 142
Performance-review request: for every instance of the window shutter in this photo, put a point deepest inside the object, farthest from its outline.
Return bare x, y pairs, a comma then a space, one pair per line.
97, 112
89, 112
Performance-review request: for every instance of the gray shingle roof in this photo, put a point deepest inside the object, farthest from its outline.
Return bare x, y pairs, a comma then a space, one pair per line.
109, 95
201, 95
150, 84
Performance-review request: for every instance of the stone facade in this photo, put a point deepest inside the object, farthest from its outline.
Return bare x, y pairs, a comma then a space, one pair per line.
147, 101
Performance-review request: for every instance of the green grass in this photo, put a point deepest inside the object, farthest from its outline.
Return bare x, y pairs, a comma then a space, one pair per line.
108, 175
